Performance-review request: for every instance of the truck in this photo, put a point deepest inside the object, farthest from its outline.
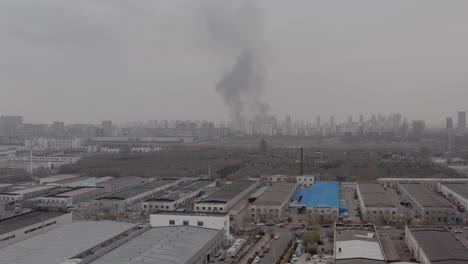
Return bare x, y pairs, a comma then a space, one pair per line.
460, 208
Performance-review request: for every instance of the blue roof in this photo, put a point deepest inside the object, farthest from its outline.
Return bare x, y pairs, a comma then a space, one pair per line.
94, 180
190, 178
321, 194
297, 194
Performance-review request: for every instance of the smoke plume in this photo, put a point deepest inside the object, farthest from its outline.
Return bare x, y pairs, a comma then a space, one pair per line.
238, 31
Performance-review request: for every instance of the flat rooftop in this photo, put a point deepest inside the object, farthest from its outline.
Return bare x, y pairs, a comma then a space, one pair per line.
61, 244
127, 193
75, 192
161, 245
423, 196
69, 180
24, 220
60, 177
228, 192
189, 213
181, 191
277, 194
94, 180
358, 245
374, 195
459, 188
14, 191
323, 193
440, 246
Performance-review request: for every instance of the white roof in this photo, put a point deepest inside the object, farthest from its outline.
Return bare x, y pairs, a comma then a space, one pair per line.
358, 249
59, 245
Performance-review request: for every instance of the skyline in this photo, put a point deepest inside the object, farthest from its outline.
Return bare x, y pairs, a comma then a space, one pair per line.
121, 62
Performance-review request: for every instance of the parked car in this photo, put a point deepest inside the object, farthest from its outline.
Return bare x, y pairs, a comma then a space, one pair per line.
282, 225
277, 236
261, 255
297, 227
260, 224
266, 250
386, 227
458, 231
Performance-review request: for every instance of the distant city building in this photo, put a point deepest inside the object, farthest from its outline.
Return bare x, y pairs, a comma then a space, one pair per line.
449, 125
461, 121
58, 129
107, 128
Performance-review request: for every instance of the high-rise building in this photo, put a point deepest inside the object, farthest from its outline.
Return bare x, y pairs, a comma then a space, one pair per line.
288, 125
449, 124
418, 127
10, 126
58, 129
361, 119
461, 121
107, 128
317, 122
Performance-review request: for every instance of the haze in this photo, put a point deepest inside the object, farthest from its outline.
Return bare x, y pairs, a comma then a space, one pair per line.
85, 61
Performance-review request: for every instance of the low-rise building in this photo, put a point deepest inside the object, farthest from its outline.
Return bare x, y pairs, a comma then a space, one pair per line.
427, 206
211, 220
70, 197
56, 178
21, 227
358, 244
457, 193
223, 199
121, 201
302, 180
375, 204
168, 245
435, 245
426, 182
119, 184
272, 204
321, 202
180, 196
19, 193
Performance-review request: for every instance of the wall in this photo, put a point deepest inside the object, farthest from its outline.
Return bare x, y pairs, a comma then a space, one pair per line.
209, 221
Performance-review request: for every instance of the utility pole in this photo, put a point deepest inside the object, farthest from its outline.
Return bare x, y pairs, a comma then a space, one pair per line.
302, 159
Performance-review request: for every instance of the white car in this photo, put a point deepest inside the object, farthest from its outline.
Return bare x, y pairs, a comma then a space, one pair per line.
458, 231
277, 236
260, 224
386, 227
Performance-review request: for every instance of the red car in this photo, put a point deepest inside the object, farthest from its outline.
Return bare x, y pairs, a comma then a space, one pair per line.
265, 250
283, 225
297, 227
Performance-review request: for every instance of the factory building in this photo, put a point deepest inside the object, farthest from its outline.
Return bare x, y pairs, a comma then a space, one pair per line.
358, 244
223, 199
457, 193
19, 193
218, 221
435, 245
272, 204
76, 241
427, 205
70, 197
172, 199
375, 204
121, 201
320, 201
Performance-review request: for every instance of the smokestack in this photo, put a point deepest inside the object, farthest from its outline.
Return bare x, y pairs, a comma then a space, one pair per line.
302, 159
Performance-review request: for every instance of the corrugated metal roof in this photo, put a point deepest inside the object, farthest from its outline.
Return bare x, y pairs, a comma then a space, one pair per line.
56, 246
161, 245
321, 194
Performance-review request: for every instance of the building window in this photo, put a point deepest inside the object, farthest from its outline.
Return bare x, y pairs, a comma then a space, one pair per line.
185, 223
200, 223
171, 222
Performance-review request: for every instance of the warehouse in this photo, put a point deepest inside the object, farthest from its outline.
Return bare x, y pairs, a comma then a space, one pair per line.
55, 178
223, 199
426, 182
19, 193
120, 201
427, 206
21, 227
375, 204
457, 193
172, 199
119, 184
320, 201
435, 245
272, 204
168, 245
77, 240
70, 197
212, 220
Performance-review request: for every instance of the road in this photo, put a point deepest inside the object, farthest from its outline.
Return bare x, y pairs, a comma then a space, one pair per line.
277, 245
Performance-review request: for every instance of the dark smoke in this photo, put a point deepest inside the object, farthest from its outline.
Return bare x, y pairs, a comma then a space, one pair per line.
237, 30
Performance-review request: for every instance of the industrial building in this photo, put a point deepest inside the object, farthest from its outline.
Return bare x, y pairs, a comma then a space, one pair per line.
211, 220
168, 245
427, 205
320, 201
226, 197
70, 197
120, 201
302, 180
435, 245
19, 193
358, 244
374, 202
272, 204
457, 193
21, 227
55, 178
78, 240
426, 182
172, 199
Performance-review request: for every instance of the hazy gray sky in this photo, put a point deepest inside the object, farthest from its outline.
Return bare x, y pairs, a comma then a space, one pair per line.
84, 61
